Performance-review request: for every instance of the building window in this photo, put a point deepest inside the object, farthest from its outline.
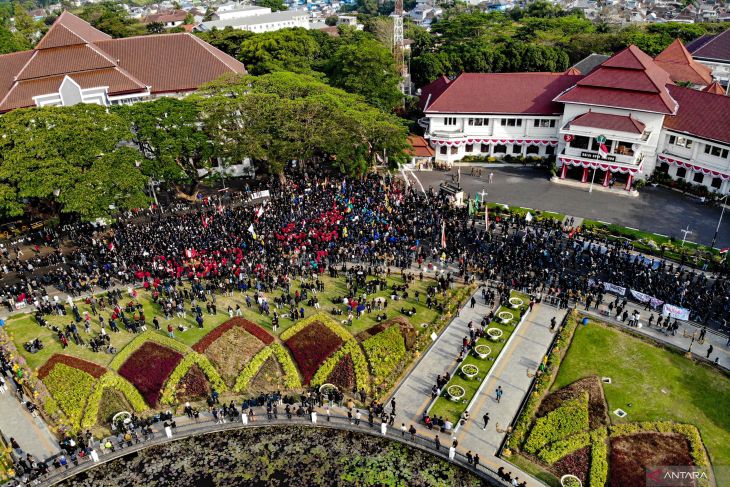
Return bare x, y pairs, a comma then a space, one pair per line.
623, 149
454, 150
516, 148
533, 149
442, 150
485, 148
550, 150
716, 151
478, 122
663, 168
511, 122
716, 183
681, 172
450, 121
544, 122
500, 149
469, 148
698, 177
579, 142
680, 141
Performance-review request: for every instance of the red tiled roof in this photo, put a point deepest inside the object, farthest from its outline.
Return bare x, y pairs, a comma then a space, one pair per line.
700, 114
715, 88
433, 90
164, 63
573, 70
519, 93
680, 65
717, 47
615, 123
629, 79
420, 147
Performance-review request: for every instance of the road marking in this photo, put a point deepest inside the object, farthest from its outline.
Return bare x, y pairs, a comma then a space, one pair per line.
418, 181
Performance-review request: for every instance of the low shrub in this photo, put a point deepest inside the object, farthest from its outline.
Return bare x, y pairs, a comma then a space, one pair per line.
322, 319
311, 346
169, 394
353, 349
110, 380
70, 388
251, 368
566, 420
598, 475
385, 352
699, 455
143, 338
247, 325
94, 370
292, 379
558, 449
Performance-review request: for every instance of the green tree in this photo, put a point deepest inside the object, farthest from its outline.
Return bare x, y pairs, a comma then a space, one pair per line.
43, 158
111, 18
25, 26
366, 67
155, 28
166, 133
331, 20
12, 41
228, 40
274, 5
282, 50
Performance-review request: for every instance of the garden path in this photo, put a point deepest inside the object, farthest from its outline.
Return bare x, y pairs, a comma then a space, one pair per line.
32, 434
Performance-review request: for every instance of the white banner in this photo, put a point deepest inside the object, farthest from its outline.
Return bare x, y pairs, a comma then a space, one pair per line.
261, 194
676, 312
612, 288
645, 298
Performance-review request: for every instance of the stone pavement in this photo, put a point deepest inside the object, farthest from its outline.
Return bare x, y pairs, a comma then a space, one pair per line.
529, 345
32, 434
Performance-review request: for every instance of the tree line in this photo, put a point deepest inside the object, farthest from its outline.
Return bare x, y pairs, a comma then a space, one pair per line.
92, 160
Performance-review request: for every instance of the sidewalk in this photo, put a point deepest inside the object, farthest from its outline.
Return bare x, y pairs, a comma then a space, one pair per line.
32, 434
524, 353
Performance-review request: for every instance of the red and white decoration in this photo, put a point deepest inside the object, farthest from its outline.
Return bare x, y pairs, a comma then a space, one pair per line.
460, 142
693, 167
600, 165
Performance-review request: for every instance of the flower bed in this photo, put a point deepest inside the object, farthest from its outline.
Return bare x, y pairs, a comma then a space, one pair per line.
149, 336
494, 334
351, 348
70, 388
321, 319
170, 392
631, 454
343, 376
251, 369
566, 420
269, 378
148, 369
482, 351
232, 351
385, 352
516, 302
311, 346
90, 368
193, 385
114, 381
291, 374
244, 324
505, 317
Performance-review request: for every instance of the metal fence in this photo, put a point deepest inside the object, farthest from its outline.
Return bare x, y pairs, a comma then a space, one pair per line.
204, 426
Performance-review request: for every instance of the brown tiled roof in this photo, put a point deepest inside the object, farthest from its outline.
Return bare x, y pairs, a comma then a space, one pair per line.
420, 147
715, 88
606, 121
518, 93
680, 65
700, 114
716, 47
173, 16
629, 79
164, 63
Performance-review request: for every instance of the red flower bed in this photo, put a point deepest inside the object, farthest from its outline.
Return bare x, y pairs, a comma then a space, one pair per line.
250, 327
90, 368
344, 374
311, 347
148, 368
577, 463
630, 455
193, 385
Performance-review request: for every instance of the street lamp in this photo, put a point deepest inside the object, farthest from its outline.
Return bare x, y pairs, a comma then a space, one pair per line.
712, 245
590, 188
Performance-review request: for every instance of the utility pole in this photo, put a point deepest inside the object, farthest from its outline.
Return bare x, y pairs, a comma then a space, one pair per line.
399, 47
719, 222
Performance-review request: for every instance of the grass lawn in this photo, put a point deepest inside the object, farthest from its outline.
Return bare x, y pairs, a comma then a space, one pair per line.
451, 410
654, 384
23, 328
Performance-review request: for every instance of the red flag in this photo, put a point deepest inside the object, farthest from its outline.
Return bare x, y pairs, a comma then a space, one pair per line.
443, 235
724, 251
602, 151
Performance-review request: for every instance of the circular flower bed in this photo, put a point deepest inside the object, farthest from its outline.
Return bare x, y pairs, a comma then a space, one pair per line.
456, 393
494, 334
327, 388
516, 302
570, 481
482, 351
469, 370
505, 316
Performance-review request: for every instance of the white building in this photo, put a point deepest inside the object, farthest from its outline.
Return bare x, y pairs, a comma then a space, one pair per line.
621, 122
265, 22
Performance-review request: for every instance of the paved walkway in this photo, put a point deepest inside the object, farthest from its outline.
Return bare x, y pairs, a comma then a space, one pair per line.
524, 353
32, 434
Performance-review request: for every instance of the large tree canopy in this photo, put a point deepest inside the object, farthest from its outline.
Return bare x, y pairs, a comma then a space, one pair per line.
70, 156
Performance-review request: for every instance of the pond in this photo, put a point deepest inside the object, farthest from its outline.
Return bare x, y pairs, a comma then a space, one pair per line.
277, 455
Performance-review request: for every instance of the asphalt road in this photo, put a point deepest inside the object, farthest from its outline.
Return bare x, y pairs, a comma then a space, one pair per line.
658, 210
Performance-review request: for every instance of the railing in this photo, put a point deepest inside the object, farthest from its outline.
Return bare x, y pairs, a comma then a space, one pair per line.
188, 430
